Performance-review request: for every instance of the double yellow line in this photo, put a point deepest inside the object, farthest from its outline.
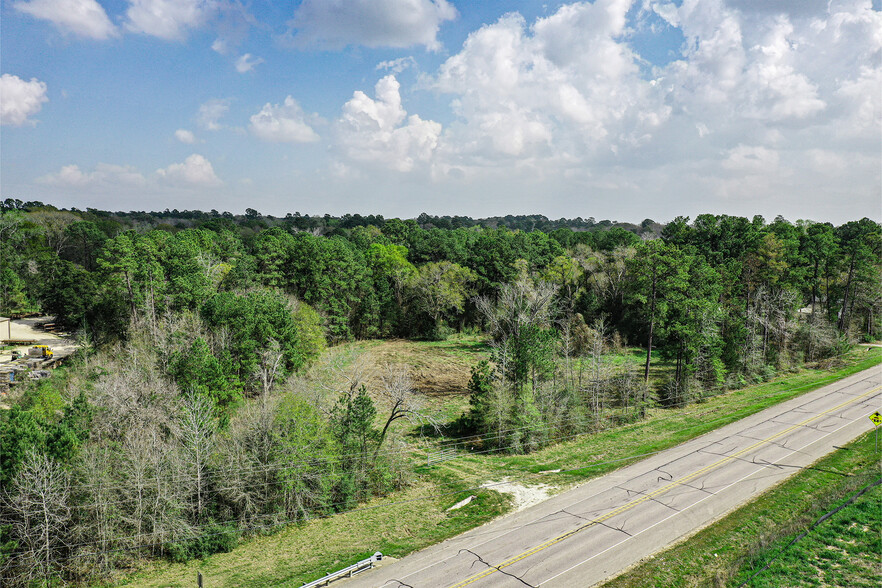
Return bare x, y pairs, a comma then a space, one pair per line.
655, 493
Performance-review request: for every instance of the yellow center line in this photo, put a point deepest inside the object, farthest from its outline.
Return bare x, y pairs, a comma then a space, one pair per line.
654, 493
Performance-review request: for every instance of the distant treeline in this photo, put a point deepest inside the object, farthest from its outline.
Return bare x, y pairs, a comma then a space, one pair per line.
374, 277
183, 219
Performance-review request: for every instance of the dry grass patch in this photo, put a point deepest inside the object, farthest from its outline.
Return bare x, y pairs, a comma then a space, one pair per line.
439, 369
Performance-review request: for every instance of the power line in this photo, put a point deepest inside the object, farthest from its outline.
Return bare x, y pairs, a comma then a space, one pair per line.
851, 499
357, 509
152, 482
314, 462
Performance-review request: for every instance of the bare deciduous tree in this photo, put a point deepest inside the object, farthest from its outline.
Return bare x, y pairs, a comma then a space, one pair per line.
599, 369
520, 304
132, 392
54, 223
268, 365
198, 426
340, 370
100, 502
605, 273
247, 468
37, 509
402, 400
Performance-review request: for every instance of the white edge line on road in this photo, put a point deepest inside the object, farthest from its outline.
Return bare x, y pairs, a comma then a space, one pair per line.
700, 501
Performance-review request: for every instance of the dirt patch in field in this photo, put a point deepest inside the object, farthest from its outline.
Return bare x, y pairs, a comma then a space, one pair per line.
437, 368
522, 496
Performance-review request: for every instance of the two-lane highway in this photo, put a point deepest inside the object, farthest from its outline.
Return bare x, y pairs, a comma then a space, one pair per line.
594, 531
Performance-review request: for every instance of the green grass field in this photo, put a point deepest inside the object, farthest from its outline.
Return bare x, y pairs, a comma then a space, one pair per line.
416, 517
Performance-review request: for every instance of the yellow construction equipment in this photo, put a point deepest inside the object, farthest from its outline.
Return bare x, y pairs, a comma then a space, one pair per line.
42, 351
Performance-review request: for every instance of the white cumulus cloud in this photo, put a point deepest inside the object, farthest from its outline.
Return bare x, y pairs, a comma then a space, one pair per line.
561, 89
211, 112
168, 19
194, 172
378, 130
729, 69
282, 123
751, 159
20, 99
247, 62
668, 11
185, 136
778, 90
85, 18
105, 176
569, 96
220, 46
398, 65
335, 24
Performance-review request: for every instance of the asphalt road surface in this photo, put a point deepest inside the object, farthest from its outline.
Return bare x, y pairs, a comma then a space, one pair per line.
594, 531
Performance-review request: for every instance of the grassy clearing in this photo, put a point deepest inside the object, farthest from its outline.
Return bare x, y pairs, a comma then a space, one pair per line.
438, 368
416, 517
842, 551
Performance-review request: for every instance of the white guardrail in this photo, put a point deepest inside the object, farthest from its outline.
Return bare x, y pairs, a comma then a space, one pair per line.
364, 564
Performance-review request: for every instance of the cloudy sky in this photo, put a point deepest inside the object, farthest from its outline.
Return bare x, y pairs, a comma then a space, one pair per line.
620, 109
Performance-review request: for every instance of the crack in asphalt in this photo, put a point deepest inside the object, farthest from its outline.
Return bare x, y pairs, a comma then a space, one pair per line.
775, 443
701, 489
753, 460
497, 568
767, 463
735, 457
654, 499
812, 427
596, 522
824, 470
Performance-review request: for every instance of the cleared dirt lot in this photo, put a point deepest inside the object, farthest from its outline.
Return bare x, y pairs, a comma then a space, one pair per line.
29, 330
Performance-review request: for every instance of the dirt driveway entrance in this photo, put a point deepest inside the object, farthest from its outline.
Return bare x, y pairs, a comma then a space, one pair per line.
29, 329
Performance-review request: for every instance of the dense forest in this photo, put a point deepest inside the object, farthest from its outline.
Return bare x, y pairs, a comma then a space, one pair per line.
202, 404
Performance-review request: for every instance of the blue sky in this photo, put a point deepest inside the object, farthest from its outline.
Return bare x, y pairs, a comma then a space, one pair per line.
621, 109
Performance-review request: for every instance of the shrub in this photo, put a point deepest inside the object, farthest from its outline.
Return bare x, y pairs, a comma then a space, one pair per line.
213, 539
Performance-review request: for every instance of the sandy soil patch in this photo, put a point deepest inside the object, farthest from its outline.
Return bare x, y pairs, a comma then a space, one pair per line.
522, 496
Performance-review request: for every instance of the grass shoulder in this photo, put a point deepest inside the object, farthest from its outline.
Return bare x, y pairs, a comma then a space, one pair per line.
841, 551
